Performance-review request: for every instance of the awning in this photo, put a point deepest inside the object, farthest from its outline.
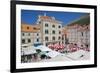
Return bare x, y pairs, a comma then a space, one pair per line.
53, 54
28, 50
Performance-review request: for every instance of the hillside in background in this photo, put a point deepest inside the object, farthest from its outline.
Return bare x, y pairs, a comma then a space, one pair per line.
84, 20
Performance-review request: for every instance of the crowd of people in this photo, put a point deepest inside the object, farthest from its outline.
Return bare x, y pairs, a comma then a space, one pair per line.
70, 47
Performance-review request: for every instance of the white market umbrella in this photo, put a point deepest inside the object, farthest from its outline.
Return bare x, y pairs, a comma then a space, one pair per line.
53, 54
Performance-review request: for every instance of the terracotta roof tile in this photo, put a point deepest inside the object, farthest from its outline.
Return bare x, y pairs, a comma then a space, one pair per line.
29, 28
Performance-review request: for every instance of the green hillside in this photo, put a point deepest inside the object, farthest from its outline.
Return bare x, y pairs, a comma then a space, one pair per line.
85, 20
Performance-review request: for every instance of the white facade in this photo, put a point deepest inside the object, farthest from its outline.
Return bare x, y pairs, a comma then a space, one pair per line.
50, 30
37, 37
30, 38
30, 35
26, 39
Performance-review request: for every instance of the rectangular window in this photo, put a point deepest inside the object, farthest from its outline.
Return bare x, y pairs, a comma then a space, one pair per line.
46, 25
37, 40
53, 32
37, 34
23, 34
46, 31
34, 28
53, 38
28, 34
46, 44
46, 38
23, 41
29, 40
59, 38
82, 33
27, 27
59, 32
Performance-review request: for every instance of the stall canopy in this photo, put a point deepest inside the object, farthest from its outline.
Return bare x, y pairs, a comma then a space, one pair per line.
50, 52
28, 50
44, 50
